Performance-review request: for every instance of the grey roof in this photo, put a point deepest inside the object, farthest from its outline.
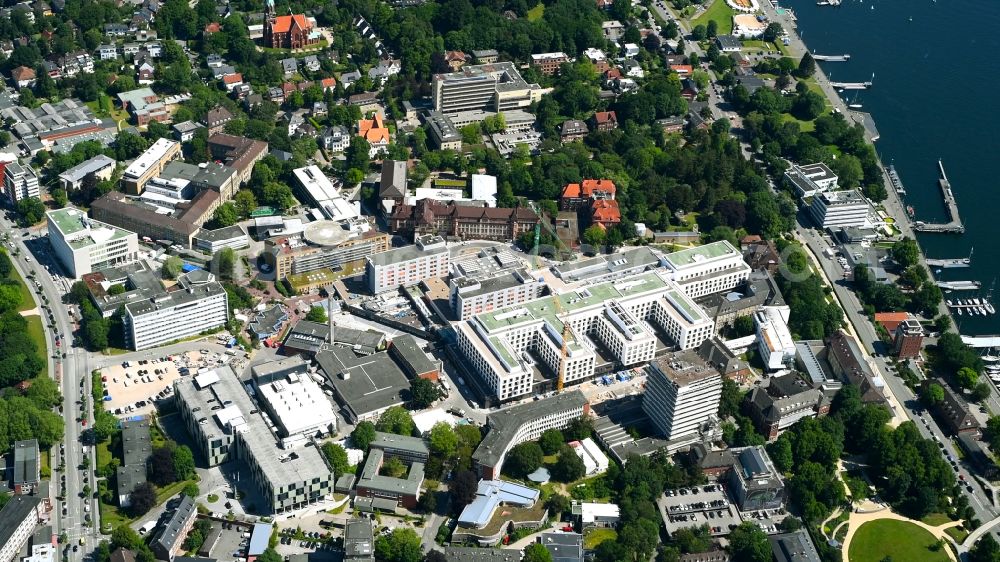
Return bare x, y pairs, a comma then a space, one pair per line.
573, 127
259, 538
389, 442
26, 462
170, 534
728, 41
371, 479
504, 279
793, 547
411, 355
187, 126
128, 477
490, 495
363, 384
359, 543
210, 174
471, 554
406, 253
613, 264
220, 234
564, 547
505, 424
82, 170
393, 182
442, 127
175, 298
267, 322
264, 373
14, 513
136, 446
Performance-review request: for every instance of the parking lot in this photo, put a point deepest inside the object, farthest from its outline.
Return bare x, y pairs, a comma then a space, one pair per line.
132, 387
700, 505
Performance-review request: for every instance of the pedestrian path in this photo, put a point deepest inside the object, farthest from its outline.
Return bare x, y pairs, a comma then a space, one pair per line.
862, 515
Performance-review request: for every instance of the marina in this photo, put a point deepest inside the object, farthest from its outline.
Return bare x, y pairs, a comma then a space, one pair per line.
852, 85
950, 263
955, 225
971, 307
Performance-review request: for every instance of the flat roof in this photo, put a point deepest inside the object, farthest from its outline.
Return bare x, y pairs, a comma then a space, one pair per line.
390, 441
14, 513
221, 234
153, 154
365, 384
472, 554
491, 494
80, 231
406, 253
506, 423
701, 254
370, 478
83, 169
411, 354
298, 403
193, 293
317, 185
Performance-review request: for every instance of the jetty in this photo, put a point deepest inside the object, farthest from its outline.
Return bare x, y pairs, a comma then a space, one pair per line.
852, 85
955, 225
832, 58
949, 263
959, 285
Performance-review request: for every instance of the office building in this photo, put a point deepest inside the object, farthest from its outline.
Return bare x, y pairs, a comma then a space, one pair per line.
834, 209
325, 196
470, 296
149, 164
292, 398
359, 541
774, 340
707, 269
200, 304
596, 514
19, 181
177, 226
136, 450
83, 245
340, 247
908, 339
100, 166
460, 221
401, 267
512, 426
192, 179
26, 466
784, 400
169, 538
608, 267
489, 87
848, 361
563, 546
414, 361
754, 482
400, 491
473, 554
504, 346
796, 546
443, 132
212, 241
364, 386
682, 395
810, 179
17, 523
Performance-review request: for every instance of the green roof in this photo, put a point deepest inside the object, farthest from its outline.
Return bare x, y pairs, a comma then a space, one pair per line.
77, 228
702, 253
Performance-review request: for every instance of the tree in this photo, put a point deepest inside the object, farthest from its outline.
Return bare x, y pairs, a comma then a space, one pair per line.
558, 504
402, 545
161, 465
31, 211
524, 459
569, 467
748, 543
363, 435
932, 394
270, 555
337, 457
905, 253
980, 392
712, 29
396, 420
551, 441
967, 377
986, 549
699, 32
579, 428
183, 460
191, 490
443, 441
423, 393
317, 314
772, 32
462, 490
807, 66
172, 267
225, 215
536, 552
245, 202
59, 197
142, 499
594, 235
227, 263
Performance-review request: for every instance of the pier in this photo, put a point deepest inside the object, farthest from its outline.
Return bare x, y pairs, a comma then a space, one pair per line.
852, 85
955, 225
949, 263
959, 285
832, 58
897, 183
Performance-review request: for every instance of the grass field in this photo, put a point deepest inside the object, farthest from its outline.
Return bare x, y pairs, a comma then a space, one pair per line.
935, 519
537, 12
594, 537
721, 13
900, 540
27, 303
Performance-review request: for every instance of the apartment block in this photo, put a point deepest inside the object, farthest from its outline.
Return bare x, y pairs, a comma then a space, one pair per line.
200, 304
149, 164
428, 258
84, 245
17, 523
549, 63
19, 182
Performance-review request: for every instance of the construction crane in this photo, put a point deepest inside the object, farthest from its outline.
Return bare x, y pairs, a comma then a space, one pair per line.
561, 380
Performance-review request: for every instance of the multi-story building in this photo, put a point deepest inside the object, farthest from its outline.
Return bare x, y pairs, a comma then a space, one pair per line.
909, 338
512, 426
549, 63
149, 164
754, 482
136, 450
100, 166
169, 538
707, 269
293, 31
228, 237
502, 346
27, 468
19, 182
488, 87
784, 401
200, 304
682, 395
82, 244
475, 295
576, 195
848, 361
157, 223
834, 209
810, 179
237, 152
292, 398
359, 541
17, 523
443, 132
774, 340
339, 247
428, 258
451, 220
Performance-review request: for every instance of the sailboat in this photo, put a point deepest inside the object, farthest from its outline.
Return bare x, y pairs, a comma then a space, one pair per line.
854, 102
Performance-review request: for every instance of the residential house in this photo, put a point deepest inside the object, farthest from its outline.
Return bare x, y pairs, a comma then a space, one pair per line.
383, 70
604, 121
335, 139
613, 30
311, 63
216, 119
455, 59
107, 52
231, 81
572, 130
576, 195
289, 66
349, 78
376, 133
23, 77
605, 212
145, 73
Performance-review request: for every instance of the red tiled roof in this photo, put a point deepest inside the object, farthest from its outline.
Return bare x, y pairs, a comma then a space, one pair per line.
606, 211
213, 27
612, 73
682, 68
373, 130
606, 117
282, 24
232, 78
22, 73
890, 320
328, 83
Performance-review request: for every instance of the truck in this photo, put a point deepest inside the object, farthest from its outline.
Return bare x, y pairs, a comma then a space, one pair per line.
828, 252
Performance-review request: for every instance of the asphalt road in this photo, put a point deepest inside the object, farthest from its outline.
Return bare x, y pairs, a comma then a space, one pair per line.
75, 368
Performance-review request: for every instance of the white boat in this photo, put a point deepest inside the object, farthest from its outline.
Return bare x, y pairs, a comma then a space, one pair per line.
855, 106
948, 302
991, 358
959, 311
989, 308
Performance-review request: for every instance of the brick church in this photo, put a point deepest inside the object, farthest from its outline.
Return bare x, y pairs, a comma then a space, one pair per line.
288, 32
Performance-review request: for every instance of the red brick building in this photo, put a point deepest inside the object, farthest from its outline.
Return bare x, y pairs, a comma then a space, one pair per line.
482, 223
576, 195
288, 32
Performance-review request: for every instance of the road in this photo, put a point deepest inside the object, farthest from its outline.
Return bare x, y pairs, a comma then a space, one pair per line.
75, 372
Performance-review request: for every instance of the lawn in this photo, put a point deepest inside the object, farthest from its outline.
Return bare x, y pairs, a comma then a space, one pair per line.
957, 533
37, 334
594, 537
876, 540
537, 12
721, 13
27, 303
935, 519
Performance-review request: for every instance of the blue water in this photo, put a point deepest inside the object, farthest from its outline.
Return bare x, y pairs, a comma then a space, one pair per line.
935, 96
